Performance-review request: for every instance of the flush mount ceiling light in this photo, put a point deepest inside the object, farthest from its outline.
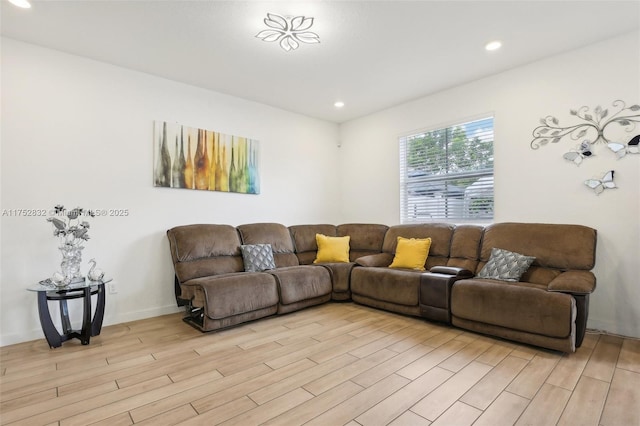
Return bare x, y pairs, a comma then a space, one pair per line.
338, 104
494, 45
289, 31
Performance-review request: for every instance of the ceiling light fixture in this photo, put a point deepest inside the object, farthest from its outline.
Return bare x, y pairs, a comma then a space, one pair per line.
494, 45
338, 104
21, 3
289, 31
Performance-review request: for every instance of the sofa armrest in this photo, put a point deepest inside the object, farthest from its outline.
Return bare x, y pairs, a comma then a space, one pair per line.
452, 270
575, 282
378, 259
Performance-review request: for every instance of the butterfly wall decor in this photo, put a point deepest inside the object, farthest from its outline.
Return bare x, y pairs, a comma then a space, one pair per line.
583, 151
599, 185
599, 125
630, 148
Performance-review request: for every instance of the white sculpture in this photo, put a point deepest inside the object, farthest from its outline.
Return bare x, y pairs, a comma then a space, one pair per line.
59, 280
95, 274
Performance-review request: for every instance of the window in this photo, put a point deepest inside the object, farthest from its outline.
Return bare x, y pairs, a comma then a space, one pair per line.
447, 173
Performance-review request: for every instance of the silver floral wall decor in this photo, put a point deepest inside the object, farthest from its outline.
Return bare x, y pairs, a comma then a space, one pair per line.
591, 129
290, 31
593, 125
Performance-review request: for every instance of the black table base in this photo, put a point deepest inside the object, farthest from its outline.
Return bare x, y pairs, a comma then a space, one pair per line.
90, 327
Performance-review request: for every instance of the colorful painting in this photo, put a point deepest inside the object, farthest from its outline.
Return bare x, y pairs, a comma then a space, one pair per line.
191, 158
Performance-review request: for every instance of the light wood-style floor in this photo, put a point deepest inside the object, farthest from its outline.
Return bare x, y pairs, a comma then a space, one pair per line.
334, 364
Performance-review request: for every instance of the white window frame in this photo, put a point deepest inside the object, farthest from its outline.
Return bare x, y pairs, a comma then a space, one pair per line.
447, 195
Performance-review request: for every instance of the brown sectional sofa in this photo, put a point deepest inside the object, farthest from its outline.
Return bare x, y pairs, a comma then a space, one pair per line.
548, 307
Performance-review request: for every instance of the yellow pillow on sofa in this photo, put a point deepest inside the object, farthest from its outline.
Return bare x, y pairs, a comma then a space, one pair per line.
411, 253
332, 249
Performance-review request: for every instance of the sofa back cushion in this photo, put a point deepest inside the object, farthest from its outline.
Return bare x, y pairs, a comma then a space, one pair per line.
204, 250
304, 240
366, 238
555, 247
465, 246
440, 234
271, 233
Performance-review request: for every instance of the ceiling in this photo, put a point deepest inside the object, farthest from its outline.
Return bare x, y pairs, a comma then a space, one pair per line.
372, 54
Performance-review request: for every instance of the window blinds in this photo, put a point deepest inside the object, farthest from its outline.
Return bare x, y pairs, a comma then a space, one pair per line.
447, 173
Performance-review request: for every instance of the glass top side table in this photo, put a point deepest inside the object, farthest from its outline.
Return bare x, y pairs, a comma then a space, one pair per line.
84, 290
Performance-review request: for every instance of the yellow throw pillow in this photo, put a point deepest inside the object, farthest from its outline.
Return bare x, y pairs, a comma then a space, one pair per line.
332, 249
411, 253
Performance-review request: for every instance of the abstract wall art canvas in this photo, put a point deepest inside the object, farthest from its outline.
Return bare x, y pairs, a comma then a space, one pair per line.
192, 158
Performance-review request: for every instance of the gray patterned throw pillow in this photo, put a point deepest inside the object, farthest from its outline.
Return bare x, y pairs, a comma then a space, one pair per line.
257, 257
505, 265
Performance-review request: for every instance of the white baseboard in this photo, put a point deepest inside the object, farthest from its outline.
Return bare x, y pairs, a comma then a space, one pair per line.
609, 327
138, 315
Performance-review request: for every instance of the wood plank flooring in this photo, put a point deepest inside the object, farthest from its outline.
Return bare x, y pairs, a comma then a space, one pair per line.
335, 364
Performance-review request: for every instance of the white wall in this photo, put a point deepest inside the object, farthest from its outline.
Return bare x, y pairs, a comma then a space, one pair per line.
530, 185
80, 133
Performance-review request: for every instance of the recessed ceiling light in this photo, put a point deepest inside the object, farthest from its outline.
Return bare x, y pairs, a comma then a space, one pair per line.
494, 45
338, 104
21, 3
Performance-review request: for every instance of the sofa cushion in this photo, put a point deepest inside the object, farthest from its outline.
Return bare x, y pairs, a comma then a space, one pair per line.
397, 286
271, 233
515, 305
304, 240
192, 242
208, 267
366, 238
232, 294
332, 249
465, 247
372, 260
505, 265
257, 257
297, 283
411, 253
554, 246
539, 275
340, 276
440, 234
204, 250
574, 282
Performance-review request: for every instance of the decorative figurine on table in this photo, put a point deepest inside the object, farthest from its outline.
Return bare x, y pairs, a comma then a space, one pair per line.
95, 274
58, 280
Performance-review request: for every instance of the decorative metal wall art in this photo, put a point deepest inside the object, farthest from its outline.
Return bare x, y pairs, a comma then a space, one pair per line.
591, 130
